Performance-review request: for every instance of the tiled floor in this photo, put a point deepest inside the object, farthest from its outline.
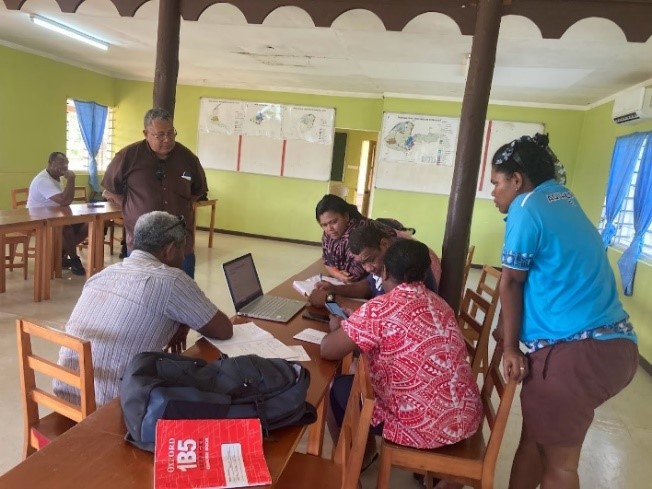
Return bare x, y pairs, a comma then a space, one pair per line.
617, 449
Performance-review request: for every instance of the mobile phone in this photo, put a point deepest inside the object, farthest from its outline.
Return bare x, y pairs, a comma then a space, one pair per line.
315, 317
334, 308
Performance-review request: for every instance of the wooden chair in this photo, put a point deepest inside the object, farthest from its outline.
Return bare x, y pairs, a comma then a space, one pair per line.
19, 197
343, 472
40, 431
471, 462
80, 195
467, 269
13, 240
475, 319
467, 265
488, 287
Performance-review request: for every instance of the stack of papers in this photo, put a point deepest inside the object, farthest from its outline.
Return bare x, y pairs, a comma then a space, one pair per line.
306, 287
248, 338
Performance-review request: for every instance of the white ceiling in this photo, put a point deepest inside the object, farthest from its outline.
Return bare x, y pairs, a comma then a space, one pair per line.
356, 55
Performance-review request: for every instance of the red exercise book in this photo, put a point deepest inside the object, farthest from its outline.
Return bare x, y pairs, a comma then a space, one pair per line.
209, 453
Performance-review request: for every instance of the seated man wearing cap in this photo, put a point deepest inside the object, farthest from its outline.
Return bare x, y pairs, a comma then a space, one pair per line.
144, 303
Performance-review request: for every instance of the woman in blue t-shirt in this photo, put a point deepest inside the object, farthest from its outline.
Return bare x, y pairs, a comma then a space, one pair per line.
559, 298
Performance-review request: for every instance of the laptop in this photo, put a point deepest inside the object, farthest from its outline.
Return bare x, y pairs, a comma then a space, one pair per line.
247, 293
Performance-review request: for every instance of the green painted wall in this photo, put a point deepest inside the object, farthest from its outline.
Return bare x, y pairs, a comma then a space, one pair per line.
33, 93
591, 172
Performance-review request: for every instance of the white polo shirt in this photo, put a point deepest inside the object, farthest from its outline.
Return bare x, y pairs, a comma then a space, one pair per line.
42, 188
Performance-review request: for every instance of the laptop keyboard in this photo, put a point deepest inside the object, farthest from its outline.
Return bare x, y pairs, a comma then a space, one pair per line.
270, 306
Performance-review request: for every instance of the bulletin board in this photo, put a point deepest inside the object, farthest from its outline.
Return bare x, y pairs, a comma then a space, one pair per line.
268, 139
417, 152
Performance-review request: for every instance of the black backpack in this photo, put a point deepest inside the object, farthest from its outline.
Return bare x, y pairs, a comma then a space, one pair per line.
161, 385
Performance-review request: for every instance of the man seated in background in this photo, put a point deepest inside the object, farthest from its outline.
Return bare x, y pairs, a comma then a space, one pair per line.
144, 303
368, 245
46, 191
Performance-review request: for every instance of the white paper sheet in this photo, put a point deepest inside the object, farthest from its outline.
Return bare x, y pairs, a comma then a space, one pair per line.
310, 335
301, 355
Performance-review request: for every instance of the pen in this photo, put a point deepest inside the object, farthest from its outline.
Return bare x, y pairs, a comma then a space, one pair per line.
321, 277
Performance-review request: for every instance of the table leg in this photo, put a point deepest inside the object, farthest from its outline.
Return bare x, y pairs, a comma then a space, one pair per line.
211, 228
39, 270
48, 252
92, 245
3, 274
99, 243
316, 430
57, 249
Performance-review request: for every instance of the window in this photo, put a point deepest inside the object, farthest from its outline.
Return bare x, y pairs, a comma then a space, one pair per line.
624, 221
75, 147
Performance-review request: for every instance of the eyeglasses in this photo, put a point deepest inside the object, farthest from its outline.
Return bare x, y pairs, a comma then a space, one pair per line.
162, 136
181, 221
160, 170
510, 152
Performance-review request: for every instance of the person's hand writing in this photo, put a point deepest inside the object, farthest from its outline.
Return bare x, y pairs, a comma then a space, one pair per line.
177, 343
325, 285
317, 297
515, 364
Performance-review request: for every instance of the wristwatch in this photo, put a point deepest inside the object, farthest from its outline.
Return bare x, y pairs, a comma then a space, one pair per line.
330, 297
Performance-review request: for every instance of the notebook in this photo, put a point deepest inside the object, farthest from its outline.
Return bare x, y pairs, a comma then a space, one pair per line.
247, 293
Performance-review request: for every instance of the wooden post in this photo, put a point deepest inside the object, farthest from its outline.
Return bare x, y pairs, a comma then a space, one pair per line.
469, 150
167, 55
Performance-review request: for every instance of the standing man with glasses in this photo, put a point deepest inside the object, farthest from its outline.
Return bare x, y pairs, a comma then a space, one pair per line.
157, 174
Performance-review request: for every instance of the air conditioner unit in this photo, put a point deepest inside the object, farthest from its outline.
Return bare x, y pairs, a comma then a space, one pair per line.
633, 105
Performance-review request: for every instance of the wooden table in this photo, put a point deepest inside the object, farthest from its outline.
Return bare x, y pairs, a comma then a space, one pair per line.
94, 453
211, 226
55, 218
20, 221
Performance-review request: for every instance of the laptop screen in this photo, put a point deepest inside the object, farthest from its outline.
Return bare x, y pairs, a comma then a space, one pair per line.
242, 279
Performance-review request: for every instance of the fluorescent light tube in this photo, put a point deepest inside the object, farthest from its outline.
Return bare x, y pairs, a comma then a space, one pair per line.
69, 32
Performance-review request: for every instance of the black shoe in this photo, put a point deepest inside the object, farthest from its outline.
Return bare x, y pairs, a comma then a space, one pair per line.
76, 266
421, 479
66, 262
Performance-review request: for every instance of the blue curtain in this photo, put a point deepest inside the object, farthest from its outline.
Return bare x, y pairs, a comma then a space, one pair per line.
623, 162
642, 219
92, 119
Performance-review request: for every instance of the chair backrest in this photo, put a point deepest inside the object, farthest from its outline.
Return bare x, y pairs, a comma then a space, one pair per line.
467, 265
80, 194
489, 285
29, 363
350, 448
476, 328
19, 197
495, 415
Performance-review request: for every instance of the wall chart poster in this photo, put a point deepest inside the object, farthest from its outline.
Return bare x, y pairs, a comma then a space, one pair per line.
417, 152
266, 138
